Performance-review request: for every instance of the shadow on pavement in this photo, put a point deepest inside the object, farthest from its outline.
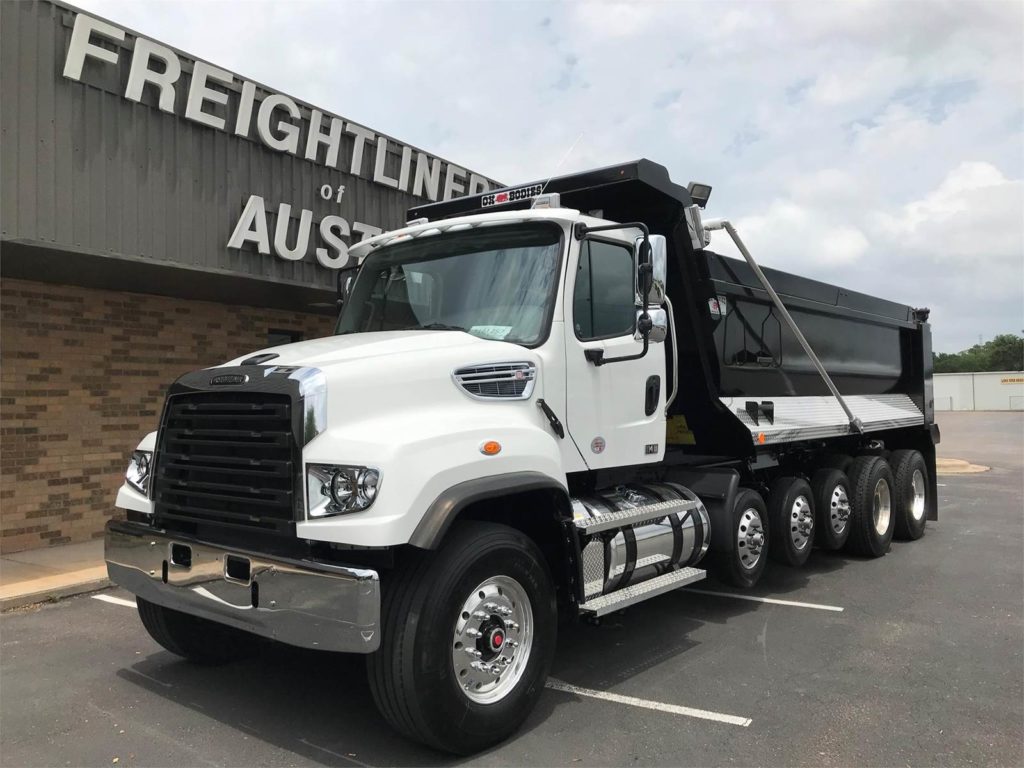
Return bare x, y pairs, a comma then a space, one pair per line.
318, 705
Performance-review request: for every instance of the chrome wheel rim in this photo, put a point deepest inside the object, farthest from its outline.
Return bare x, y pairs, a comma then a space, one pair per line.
881, 507
917, 486
801, 523
492, 640
839, 510
750, 538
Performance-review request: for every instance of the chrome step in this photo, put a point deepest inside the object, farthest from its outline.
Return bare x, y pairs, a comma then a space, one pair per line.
594, 587
622, 598
633, 516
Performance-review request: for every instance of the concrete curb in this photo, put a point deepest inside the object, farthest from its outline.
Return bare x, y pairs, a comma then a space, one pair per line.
50, 588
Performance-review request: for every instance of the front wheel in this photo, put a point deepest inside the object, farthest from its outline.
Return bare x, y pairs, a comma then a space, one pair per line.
199, 640
468, 635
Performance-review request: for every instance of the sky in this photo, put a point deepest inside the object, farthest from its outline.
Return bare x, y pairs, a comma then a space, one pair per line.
875, 145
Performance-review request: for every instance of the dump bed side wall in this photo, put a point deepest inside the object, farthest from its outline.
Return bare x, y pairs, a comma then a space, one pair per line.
866, 344
869, 346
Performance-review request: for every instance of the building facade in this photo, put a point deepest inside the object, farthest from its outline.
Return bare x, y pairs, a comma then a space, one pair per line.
988, 391
158, 214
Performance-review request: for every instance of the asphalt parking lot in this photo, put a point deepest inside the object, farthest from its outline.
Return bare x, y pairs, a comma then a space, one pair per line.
921, 666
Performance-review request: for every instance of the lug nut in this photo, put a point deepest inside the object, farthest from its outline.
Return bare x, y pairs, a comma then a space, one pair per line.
514, 626
473, 652
472, 632
511, 644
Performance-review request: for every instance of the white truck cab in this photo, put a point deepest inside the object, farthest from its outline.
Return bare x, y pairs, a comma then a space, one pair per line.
512, 423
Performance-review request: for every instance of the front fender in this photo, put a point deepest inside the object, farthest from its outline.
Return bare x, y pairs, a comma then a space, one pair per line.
446, 507
431, 474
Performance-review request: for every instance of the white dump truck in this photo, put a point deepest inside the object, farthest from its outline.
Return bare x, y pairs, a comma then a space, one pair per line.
546, 402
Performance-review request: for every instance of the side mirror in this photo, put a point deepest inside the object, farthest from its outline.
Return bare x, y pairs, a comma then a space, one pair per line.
344, 279
657, 256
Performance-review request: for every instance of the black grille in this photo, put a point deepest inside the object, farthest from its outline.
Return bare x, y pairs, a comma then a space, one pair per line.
227, 458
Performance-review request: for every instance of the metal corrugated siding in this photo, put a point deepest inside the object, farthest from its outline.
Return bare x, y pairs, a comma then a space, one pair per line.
83, 167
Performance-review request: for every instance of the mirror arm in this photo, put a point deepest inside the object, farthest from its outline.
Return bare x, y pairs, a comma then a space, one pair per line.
645, 270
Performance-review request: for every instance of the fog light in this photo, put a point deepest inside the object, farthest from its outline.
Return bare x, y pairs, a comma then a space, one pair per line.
367, 484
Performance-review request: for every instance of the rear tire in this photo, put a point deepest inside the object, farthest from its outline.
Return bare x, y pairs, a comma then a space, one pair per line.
911, 483
201, 641
430, 627
872, 521
791, 512
745, 561
831, 491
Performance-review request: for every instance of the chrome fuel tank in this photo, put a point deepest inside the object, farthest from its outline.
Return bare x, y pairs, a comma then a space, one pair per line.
621, 556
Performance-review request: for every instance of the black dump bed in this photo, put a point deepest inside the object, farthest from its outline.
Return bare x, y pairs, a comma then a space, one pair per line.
733, 345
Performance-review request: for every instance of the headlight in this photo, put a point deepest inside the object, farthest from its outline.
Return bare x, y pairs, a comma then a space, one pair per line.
336, 490
137, 474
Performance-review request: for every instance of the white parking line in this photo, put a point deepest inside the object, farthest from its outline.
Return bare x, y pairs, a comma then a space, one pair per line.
674, 709
115, 600
772, 600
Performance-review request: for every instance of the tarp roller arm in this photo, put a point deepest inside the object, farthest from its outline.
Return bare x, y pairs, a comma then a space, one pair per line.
713, 224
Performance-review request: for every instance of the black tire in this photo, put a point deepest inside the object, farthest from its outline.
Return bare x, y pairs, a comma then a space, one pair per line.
831, 491
201, 641
735, 565
791, 520
868, 474
838, 461
413, 674
911, 504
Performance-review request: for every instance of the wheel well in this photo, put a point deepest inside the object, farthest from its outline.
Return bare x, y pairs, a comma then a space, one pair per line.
543, 515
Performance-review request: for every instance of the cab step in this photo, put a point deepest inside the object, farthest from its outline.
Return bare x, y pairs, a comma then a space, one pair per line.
641, 514
595, 587
622, 598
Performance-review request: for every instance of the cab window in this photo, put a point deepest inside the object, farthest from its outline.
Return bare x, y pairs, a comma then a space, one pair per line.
603, 299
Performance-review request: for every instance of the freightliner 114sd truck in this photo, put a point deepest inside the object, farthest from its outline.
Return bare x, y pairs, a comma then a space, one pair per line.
543, 402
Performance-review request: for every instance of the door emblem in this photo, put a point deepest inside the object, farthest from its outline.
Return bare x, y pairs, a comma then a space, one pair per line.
597, 445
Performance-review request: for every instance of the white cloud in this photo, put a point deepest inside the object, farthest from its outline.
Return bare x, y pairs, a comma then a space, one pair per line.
873, 144
970, 222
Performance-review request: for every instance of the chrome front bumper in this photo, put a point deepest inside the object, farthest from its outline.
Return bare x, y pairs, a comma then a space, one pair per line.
303, 603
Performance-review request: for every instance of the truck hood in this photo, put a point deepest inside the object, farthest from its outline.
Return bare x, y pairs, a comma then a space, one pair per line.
335, 350
392, 383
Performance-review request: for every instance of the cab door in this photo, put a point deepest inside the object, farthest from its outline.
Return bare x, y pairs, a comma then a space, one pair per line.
615, 411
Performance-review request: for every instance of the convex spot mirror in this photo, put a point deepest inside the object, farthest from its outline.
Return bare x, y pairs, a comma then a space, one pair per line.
659, 266
659, 325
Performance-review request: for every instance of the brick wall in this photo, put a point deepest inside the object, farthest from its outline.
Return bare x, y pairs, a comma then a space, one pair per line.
82, 378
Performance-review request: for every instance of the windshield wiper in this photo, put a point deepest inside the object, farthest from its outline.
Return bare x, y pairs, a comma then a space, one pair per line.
434, 327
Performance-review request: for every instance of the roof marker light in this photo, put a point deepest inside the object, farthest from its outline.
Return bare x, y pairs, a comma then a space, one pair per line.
550, 200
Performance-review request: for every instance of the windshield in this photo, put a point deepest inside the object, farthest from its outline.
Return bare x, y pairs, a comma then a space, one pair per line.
495, 283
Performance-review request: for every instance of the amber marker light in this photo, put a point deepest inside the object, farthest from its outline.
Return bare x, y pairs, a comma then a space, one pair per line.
490, 448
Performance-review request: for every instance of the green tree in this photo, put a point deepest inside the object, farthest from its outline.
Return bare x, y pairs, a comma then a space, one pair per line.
1003, 353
